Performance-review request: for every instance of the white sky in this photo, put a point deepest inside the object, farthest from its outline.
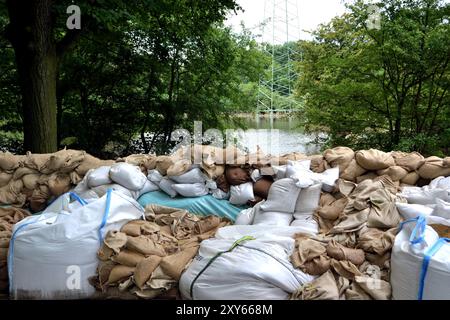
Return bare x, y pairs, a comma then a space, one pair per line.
311, 13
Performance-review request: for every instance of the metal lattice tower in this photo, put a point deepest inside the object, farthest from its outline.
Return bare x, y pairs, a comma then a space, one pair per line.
281, 25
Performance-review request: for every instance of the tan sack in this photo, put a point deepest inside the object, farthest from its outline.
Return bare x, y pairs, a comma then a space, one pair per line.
367, 176
30, 181
411, 178
318, 163
374, 159
447, 162
409, 161
340, 156
59, 183
353, 171
179, 167
90, 162
144, 270
433, 167
22, 171
5, 178
163, 163
119, 273
396, 173
9, 162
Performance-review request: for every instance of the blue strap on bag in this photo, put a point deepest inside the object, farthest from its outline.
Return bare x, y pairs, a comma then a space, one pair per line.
105, 215
426, 261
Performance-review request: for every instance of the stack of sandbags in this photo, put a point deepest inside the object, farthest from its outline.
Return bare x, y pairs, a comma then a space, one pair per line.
403, 168
146, 258
35, 178
8, 218
351, 254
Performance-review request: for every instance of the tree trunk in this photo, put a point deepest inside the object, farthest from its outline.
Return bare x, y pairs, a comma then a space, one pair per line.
31, 33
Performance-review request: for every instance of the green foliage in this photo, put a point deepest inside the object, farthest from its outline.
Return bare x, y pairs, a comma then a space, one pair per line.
386, 88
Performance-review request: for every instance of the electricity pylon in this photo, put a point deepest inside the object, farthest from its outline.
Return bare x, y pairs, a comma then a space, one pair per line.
281, 26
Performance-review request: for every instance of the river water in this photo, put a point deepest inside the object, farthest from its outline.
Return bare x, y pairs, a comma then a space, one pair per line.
278, 136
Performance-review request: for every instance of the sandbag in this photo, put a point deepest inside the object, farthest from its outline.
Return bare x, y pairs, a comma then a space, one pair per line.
163, 163
411, 178
340, 156
283, 195
59, 183
293, 167
64, 161
9, 162
99, 176
148, 187
396, 173
258, 269
280, 171
166, 186
128, 176
100, 191
90, 162
279, 219
318, 163
353, 171
179, 167
307, 222
433, 167
154, 176
241, 194
191, 190
374, 159
367, 176
246, 217
408, 161
193, 176
30, 181
447, 162
56, 246
5, 178
308, 200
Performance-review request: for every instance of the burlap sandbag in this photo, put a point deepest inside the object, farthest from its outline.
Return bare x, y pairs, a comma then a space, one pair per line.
409, 161
30, 181
22, 171
367, 176
339, 156
374, 159
333, 210
37, 161
145, 246
5, 178
39, 198
322, 288
396, 173
433, 167
174, 264
163, 163
214, 171
352, 171
9, 162
447, 162
318, 163
90, 162
128, 258
411, 178
144, 270
59, 183
179, 167
119, 273
11, 194
75, 178
64, 161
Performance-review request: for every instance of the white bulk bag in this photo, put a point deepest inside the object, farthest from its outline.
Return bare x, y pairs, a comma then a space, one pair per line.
412, 211
99, 177
442, 209
127, 175
53, 255
425, 195
407, 264
283, 195
241, 194
191, 190
192, 176
166, 186
254, 270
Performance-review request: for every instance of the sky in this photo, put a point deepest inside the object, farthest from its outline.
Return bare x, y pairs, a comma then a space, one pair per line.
311, 13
